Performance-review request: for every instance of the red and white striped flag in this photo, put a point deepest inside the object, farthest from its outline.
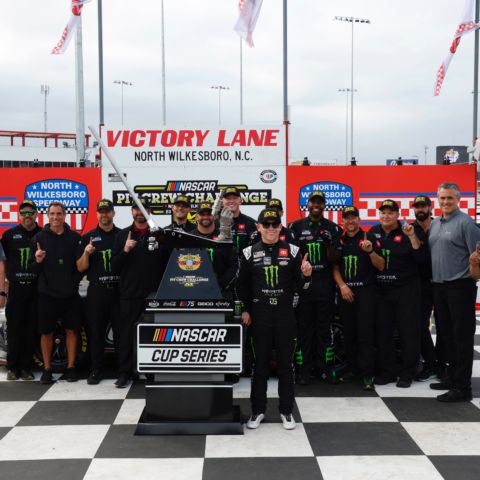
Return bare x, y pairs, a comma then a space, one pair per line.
67, 33
249, 10
467, 25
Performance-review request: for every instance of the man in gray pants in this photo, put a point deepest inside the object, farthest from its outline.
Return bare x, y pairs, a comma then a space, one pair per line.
453, 237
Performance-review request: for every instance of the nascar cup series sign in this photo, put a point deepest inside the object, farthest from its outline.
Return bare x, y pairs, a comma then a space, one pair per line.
166, 348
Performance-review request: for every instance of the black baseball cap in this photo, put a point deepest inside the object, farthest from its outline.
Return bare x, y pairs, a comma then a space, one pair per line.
350, 210
144, 201
105, 204
316, 196
182, 199
269, 215
422, 200
231, 191
275, 203
205, 207
392, 204
30, 203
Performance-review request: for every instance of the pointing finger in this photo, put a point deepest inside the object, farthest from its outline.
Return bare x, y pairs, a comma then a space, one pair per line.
129, 235
305, 257
91, 240
38, 246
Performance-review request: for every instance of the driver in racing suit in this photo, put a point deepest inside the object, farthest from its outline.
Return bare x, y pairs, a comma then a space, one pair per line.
270, 271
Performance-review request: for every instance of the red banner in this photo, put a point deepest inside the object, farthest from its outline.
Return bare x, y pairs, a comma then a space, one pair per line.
78, 189
366, 187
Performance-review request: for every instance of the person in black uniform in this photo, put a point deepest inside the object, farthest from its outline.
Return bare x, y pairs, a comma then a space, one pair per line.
54, 260
286, 235
3, 293
355, 277
398, 296
243, 225
316, 235
422, 207
180, 209
21, 309
95, 259
141, 269
224, 260
270, 272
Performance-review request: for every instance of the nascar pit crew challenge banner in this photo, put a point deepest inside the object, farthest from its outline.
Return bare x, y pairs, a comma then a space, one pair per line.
366, 187
77, 188
197, 162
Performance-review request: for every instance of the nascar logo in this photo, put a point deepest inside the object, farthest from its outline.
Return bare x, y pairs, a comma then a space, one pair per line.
190, 335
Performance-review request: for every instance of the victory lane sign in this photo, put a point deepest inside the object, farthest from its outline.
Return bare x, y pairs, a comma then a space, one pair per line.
187, 348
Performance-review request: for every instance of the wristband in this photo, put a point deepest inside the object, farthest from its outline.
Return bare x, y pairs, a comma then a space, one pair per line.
344, 286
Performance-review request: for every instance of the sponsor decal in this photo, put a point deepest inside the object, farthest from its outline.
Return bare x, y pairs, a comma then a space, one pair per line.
259, 254
271, 275
314, 249
161, 197
283, 252
189, 262
24, 254
397, 238
241, 226
107, 259
350, 264
268, 176
283, 238
337, 195
386, 254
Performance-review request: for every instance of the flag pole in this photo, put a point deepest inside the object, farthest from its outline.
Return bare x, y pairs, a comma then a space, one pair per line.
475, 74
285, 64
241, 81
164, 95
100, 62
80, 113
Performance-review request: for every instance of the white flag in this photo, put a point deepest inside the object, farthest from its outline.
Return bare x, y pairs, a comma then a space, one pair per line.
467, 25
249, 10
67, 33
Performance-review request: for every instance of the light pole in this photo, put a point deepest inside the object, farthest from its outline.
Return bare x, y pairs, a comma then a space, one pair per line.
45, 91
122, 83
425, 147
219, 88
347, 91
353, 21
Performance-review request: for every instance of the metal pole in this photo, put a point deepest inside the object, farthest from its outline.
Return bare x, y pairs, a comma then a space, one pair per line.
285, 64
80, 116
164, 95
122, 102
241, 82
219, 106
45, 111
100, 62
475, 74
351, 102
346, 134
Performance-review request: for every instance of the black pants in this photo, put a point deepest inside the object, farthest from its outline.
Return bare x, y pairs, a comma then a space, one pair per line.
131, 311
398, 311
455, 315
273, 328
21, 312
427, 348
102, 309
314, 321
358, 319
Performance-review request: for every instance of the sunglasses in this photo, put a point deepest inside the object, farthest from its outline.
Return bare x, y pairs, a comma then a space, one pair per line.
30, 213
270, 225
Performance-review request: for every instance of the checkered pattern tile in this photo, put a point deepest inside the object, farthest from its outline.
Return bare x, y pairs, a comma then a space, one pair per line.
76, 431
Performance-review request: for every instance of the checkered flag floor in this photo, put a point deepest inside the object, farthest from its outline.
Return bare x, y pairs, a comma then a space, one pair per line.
76, 431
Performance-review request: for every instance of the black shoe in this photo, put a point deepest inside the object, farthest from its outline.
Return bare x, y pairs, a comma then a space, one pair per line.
27, 375
404, 382
384, 380
368, 384
70, 375
303, 379
95, 377
12, 375
46, 378
441, 386
426, 373
122, 381
455, 395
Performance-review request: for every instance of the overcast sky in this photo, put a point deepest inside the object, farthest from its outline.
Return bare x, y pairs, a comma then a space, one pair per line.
396, 59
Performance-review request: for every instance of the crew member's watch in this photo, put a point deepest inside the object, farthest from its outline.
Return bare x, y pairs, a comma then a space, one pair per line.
3, 293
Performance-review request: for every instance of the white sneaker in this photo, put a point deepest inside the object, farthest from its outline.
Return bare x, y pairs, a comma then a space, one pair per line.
288, 421
255, 420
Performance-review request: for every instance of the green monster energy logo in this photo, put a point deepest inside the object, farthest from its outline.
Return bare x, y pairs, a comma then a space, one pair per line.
350, 266
237, 243
386, 254
271, 275
24, 254
107, 258
329, 354
314, 251
210, 253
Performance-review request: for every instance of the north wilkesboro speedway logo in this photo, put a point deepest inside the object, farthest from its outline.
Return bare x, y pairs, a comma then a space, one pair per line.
337, 195
161, 197
72, 194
